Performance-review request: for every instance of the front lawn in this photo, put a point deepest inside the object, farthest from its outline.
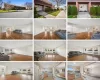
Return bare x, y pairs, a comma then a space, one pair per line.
72, 16
94, 16
39, 16
5, 11
54, 13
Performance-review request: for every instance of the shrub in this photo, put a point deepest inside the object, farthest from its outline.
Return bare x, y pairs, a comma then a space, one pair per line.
93, 11
35, 13
74, 10
69, 10
98, 10
48, 9
55, 10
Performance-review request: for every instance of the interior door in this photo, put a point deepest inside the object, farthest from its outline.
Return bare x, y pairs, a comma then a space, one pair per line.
2, 70
83, 7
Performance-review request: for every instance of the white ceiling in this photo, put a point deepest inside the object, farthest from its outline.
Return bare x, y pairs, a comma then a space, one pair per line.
49, 44
93, 65
17, 65
14, 44
83, 44
75, 63
48, 65
15, 22
59, 23
62, 65
84, 22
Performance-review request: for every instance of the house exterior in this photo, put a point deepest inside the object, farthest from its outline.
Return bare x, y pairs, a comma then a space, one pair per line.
10, 6
42, 4
7, 6
84, 5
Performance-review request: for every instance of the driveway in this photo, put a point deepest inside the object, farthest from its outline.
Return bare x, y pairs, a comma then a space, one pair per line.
83, 15
19, 14
62, 14
46, 15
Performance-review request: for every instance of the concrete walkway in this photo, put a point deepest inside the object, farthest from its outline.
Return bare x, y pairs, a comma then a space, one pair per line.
83, 15
62, 14
19, 14
46, 15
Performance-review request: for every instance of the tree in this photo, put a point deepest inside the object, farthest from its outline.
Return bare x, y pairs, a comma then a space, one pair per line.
8, 7
59, 2
69, 10
28, 5
1, 2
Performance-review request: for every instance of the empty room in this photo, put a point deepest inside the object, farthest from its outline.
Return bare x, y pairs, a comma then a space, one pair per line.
16, 29
15, 51
50, 50
52, 29
83, 29
84, 50
15, 71
50, 71
83, 71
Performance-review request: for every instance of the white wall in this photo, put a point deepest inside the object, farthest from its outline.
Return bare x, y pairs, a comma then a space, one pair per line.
38, 48
5, 50
75, 29
61, 50
56, 24
25, 29
75, 49
36, 70
27, 50
94, 71
1, 49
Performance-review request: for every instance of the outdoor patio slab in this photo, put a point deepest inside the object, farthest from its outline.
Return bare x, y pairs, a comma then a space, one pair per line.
46, 15
62, 14
83, 15
19, 14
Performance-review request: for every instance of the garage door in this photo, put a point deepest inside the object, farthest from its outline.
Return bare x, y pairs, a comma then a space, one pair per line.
83, 7
39, 8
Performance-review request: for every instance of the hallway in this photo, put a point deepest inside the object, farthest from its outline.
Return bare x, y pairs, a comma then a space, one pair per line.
49, 71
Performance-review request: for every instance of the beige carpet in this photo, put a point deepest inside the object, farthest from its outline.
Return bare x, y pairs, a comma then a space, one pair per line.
48, 78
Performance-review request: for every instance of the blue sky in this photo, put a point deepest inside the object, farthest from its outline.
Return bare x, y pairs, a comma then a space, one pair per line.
55, 2
62, 5
18, 2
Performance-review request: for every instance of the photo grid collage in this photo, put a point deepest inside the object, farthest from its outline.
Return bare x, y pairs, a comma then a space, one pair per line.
49, 39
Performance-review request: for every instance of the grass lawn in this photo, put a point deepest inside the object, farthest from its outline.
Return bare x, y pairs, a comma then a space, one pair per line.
72, 16
54, 13
94, 16
5, 11
39, 16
